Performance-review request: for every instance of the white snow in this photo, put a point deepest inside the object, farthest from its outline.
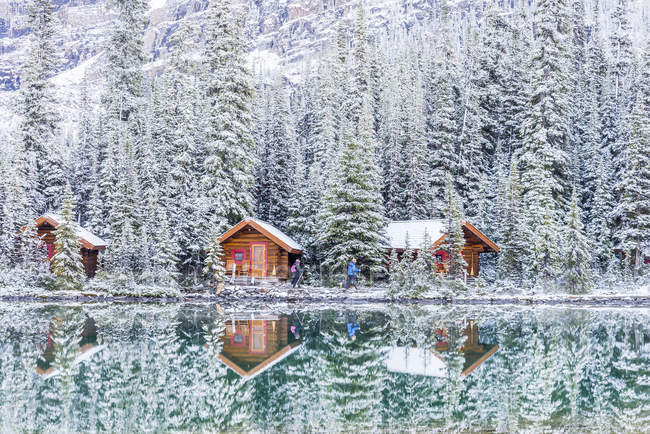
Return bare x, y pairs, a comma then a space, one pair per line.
286, 239
414, 361
156, 4
398, 232
82, 233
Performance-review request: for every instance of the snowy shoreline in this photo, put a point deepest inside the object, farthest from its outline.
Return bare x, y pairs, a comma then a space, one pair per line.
329, 296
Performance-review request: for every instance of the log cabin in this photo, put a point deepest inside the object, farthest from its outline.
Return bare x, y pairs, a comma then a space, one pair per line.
252, 343
90, 243
432, 362
256, 249
414, 233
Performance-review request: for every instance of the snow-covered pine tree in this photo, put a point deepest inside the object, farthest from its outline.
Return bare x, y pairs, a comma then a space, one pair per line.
44, 172
354, 225
183, 202
442, 125
471, 158
214, 267
85, 156
279, 155
360, 78
417, 192
393, 155
165, 260
66, 262
599, 226
577, 255
514, 244
632, 211
544, 158
230, 163
454, 241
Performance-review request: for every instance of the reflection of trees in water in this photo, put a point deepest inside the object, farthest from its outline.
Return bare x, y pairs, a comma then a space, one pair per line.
160, 371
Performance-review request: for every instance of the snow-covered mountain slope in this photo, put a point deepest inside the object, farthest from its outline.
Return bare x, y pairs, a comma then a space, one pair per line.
284, 34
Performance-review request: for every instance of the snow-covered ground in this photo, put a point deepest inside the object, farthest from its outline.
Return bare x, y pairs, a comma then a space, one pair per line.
619, 296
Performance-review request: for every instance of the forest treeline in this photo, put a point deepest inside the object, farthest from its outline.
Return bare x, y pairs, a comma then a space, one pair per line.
538, 121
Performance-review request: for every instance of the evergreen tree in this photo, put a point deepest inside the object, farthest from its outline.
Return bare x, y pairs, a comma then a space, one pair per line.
442, 125
514, 244
577, 255
633, 209
544, 158
66, 262
276, 177
165, 259
214, 265
43, 165
454, 241
230, 163
355, 222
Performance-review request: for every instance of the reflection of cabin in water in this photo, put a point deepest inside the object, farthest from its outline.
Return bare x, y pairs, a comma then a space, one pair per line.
90, 244
431, 362
254, 248
87, 347
414, 233
252, 344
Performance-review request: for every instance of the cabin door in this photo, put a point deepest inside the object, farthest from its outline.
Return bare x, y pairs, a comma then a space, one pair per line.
258, 260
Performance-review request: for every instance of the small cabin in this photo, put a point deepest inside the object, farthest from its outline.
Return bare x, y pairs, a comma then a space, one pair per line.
256, 249
90, 243
415, 232
253, 343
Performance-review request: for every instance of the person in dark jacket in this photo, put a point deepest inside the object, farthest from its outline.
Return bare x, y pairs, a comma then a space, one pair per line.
297, 272
353, 274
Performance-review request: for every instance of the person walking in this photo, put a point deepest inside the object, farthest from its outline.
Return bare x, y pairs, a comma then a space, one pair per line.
353, 274
297, 272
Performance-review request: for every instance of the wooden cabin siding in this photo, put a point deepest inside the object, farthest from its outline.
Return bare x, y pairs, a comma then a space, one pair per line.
276, 257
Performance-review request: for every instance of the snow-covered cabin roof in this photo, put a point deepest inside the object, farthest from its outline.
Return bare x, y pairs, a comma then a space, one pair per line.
267, 229
87, 238
398, 232
414, 230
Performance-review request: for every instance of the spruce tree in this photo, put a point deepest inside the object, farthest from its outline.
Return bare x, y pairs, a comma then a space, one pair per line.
442, 125
214, 267
230, 163
544, 159
454, 241
633, 208
165, 259
355, 222
66, 262
43, 165
577, 251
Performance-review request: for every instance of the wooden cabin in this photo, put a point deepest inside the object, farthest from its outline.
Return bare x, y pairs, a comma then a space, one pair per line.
256, 249
432, 362
253, 343
414, 233
90, 243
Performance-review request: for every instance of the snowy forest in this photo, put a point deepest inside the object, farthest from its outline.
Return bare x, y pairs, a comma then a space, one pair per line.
530, 120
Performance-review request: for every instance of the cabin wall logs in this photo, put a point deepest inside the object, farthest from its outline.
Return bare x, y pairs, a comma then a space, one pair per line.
276, 256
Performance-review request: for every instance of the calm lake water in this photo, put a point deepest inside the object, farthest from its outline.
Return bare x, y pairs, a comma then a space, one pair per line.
134, 368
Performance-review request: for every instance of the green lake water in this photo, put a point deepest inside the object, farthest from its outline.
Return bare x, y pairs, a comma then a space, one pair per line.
174, 367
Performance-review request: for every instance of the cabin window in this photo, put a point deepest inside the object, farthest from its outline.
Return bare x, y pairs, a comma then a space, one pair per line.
439, 258
238, 256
